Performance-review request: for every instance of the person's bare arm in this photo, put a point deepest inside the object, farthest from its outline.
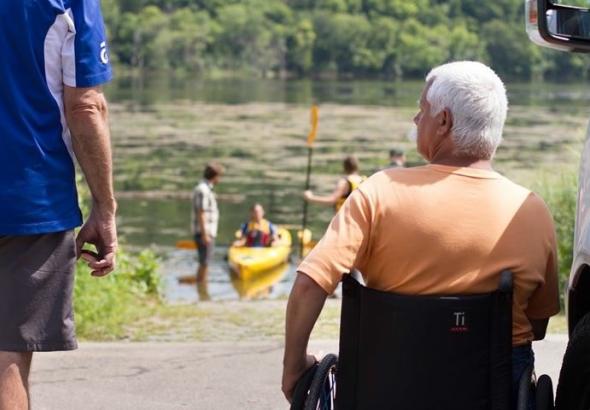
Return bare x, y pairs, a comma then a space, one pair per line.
340, 191
240, 242
203, 226
539, 328
305, 304
87, 117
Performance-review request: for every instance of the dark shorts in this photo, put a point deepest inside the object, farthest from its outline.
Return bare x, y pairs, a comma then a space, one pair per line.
36, 285
204, 252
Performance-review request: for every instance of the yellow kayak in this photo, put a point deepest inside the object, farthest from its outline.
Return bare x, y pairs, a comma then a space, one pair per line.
247, 262
261, 285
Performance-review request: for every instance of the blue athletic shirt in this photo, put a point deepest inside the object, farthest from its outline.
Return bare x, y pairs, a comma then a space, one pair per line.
44, 44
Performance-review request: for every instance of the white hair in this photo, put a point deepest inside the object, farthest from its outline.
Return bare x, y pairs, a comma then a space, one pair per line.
476, 98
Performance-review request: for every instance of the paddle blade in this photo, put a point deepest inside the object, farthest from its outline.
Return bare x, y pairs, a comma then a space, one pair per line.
187, 280
186, 244
314, 125
304, 236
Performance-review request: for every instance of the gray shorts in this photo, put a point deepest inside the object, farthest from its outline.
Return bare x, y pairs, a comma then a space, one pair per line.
36, 285
204, 252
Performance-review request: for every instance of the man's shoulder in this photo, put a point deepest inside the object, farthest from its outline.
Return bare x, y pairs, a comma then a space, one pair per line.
531, 205
536, 204
530, 198
396, 175
201, 187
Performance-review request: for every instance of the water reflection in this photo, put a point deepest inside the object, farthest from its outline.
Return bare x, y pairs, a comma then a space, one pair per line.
179, 269
164, 88
260, 286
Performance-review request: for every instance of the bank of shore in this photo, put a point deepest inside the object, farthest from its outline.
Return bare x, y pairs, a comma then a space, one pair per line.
239, 321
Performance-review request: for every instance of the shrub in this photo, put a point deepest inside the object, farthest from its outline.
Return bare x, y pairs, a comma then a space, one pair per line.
560, 193
104, 306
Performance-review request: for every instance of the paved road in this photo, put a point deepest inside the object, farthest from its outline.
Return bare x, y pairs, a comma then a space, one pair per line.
162, 376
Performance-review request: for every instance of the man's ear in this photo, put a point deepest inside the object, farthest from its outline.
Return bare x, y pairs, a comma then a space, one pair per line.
445, 123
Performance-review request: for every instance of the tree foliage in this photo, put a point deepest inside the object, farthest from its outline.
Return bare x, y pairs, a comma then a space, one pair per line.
363, 38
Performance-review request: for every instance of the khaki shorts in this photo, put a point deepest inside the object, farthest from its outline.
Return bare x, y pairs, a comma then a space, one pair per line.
36, 285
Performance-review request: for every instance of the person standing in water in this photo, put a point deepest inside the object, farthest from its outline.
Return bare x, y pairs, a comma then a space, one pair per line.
205, 218
344, 187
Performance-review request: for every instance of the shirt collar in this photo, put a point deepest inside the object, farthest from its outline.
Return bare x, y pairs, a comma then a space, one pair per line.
466, 171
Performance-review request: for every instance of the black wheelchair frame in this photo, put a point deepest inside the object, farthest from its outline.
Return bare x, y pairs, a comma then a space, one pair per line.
422, 353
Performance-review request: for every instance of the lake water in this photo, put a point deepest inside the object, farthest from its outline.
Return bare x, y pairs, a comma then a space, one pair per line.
165, 129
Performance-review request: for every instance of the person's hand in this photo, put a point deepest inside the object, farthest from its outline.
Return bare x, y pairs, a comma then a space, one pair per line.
206, 239
99, 230
307, 195
292, 374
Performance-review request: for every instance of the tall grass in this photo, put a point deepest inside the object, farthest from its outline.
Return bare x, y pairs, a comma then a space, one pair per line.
103, 307
560, 193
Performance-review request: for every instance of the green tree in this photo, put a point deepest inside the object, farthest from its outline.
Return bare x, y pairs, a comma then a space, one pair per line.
139, 33
382, 43
465, 45
350, 37
510, 52
400, 9
187, 38
421, 48
342, 42
300, 45
248, 39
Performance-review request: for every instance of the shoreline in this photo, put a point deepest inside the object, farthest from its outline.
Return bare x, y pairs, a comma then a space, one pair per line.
239, 321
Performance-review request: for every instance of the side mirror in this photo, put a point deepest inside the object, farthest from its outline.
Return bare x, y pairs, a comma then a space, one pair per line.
558, 26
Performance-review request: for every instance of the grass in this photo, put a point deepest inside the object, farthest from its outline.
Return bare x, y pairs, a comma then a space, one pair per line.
171, 142
225, 322
240, 321
559, 190
557, 325
103, 307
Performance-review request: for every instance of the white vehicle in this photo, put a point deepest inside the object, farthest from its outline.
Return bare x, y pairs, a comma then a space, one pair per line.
567, 28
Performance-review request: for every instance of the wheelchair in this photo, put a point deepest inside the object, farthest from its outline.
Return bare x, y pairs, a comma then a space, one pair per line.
404, 352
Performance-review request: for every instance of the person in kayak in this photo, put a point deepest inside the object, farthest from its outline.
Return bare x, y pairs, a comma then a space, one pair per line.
258, 232
351, 180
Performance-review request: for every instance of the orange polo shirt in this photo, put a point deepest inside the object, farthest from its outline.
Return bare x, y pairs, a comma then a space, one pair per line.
444, 230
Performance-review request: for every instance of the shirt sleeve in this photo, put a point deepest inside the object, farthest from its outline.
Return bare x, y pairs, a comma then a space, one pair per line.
198, 200
344, 244
544, 301
85, 56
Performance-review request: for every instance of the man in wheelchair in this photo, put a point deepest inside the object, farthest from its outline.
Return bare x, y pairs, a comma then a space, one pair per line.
447, 230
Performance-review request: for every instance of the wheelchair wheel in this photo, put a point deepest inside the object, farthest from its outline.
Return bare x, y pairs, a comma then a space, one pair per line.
544, 393
302, 388
322, 392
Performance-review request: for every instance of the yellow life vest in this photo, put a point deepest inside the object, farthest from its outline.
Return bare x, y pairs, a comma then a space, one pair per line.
258, 233
262, 226
353, 183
